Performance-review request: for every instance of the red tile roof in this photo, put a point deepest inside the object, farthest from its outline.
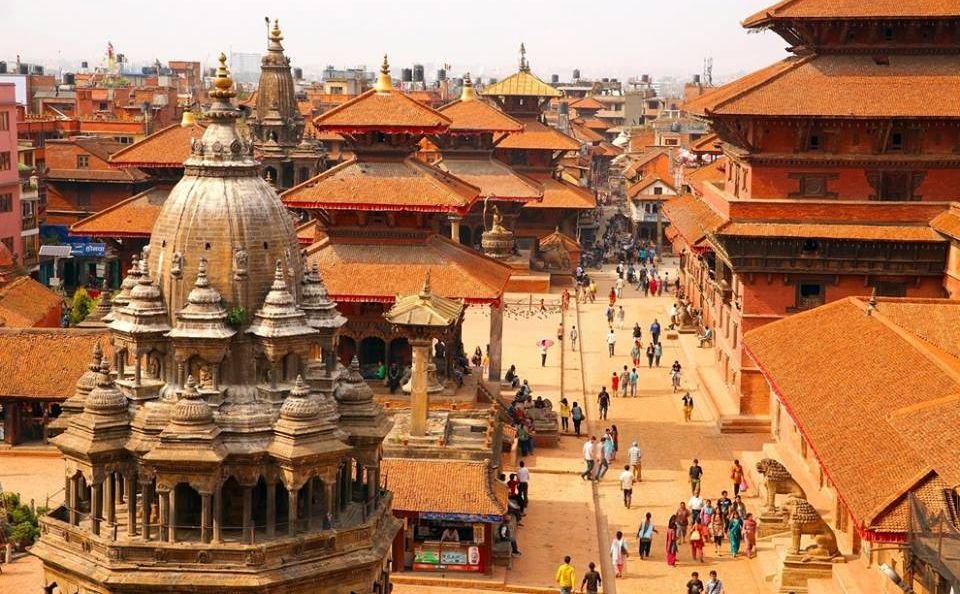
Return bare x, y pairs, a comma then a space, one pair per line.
852, 9
712, 173
584, 134
57, 358
841, 372
383, 185
638, 188
897, 233
561, 194
473, 491
478, 116
133, 217
931, 429
948, 222
588, 104
708, 144
538, 136
307, 232
24, 303
382, 111
378, 269
596, 124
842, 86
494, 178
692, 218
121, 176
168, 147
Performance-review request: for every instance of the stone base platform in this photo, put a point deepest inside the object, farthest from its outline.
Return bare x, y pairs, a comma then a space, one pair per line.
796, 572
772, 524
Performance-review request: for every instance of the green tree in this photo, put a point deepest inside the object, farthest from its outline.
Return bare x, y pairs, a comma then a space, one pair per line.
81, 305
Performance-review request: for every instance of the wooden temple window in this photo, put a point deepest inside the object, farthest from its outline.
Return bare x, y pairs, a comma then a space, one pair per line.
810, 295
896, 141
813, 185
889, 289
810, 247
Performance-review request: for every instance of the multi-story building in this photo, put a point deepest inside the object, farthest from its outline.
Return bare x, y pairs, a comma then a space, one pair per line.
835, 161
10, 209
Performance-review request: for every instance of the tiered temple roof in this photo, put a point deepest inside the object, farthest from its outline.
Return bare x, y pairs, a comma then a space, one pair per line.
133, 217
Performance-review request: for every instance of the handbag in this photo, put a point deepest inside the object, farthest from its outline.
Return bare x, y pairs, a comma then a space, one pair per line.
695, 536
743, 485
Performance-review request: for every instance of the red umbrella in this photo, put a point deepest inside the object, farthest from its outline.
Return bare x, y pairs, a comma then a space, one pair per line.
545, 343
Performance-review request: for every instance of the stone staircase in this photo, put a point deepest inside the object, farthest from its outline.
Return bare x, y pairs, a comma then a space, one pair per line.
745, 424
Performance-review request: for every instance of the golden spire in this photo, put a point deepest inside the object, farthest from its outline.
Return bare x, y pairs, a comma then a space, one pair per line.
384, 82
222, 81
425, 290
275, 34
467, 94
188, 119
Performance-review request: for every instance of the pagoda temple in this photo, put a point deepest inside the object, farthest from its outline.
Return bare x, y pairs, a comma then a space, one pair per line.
220, 447
288, 156
380, 219
536, 152
835, 160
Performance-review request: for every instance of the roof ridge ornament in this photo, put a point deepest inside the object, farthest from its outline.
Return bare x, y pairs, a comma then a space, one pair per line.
384, 82
425, 291
524, 64
222, 81
467, 93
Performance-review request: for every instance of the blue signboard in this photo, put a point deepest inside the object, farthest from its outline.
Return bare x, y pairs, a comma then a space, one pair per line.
80, 247
89, 250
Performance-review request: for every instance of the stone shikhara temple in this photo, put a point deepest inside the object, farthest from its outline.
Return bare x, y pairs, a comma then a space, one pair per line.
223, 448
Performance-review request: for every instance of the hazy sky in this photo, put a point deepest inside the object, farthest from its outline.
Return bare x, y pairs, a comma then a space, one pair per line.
601, 37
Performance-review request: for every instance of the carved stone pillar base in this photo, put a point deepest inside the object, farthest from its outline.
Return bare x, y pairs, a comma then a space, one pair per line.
796, 572
772, 523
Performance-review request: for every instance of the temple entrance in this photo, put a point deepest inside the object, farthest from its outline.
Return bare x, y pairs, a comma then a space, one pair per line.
188, 508
232, 494
373, 352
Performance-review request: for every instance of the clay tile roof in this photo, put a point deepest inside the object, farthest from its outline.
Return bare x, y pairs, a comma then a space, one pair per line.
562, 239
383, 111
638, 188
383, 185
712, 173
168, 147
494, 178
133, 217
123, 176
522, 84
852, 9
840, 372
307, 232
57, 358
24, 303
478, 116
595, 124
948, 222
474, 490
842, 86
561, 194
539, 136
379, 269
584, 134
587, 104
692, 218
707, 144
931, 429
833, 231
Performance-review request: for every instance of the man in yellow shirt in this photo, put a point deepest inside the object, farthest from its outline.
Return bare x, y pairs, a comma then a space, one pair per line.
566, 576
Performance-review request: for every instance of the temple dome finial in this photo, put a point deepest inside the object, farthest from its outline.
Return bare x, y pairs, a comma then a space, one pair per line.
223, 81
468, 93
384, 82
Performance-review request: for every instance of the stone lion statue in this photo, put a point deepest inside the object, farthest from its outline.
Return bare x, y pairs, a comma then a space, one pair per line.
778, 481
554, 257
803, 518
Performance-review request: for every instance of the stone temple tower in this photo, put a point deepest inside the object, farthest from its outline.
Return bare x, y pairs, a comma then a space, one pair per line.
224, 450
288, 157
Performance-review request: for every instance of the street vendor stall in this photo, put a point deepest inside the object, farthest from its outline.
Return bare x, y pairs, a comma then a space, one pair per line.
451, 510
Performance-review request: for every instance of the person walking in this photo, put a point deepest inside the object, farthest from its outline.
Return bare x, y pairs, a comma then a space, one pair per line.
736, 475
671, 541
593, 291
621, 316
651, 352
718, 527
694, 584
696, 541
683, 521
610, 314
614, 434
618, 553
750, 535
655, 331
624, 382
618, 285
645, 535
735, 534
714, 585
695, 504
626, 485
614, 383
603, 402
635, 353
605, 456
637, 331
611, 342
576, 414
653, 286
687, 401
589, 448
657, 353
565, 415
591, 580
634, 378
507, 535
612, 297
523, 488
566, 576
574, 335
634, 458
543, 354
695, 473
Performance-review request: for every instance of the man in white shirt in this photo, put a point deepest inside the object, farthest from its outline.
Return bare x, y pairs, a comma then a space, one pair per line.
696, 506
611, 342
715, 586
633, 457
626, 485
588, 455
523, 489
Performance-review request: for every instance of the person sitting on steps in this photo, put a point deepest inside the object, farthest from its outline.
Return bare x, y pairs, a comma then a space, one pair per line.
706, 337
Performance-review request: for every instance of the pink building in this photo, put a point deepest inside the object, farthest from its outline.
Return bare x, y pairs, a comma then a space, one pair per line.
10, 209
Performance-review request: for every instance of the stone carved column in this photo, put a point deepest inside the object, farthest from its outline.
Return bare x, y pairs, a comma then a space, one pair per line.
162, 503
205, 513
96, 507
130, 491
146, 487
248, 515
455, 227
73, 499
496, 342
291, 511
109, 500
419, 399
172, 514
217, 513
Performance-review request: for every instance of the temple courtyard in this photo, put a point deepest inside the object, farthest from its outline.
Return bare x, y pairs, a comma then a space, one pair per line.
568, 516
